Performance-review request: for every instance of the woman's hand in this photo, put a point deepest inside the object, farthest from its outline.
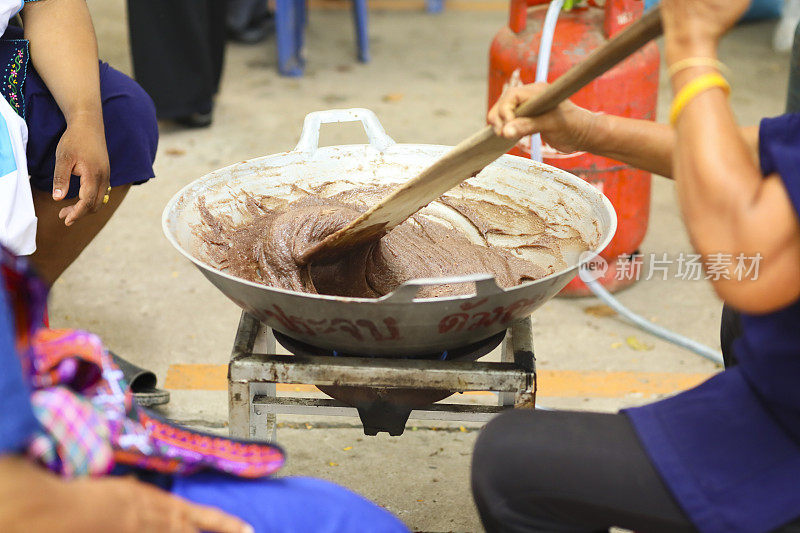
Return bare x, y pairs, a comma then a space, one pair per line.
130, 506
694, 27
64, 52
566, 128
82, 152
33, 499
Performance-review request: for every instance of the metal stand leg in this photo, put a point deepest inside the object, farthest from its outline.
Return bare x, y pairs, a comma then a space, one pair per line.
263, 421
506, 399
245, 420
239, 398
239, 410
521, 333
517, 348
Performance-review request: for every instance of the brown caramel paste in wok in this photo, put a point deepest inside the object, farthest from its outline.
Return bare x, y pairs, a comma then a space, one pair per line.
264, 246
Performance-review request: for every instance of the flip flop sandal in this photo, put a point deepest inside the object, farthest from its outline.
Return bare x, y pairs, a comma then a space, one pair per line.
142, 383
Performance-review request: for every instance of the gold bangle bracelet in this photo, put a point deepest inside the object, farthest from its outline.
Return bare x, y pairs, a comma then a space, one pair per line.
693, 88
690, 62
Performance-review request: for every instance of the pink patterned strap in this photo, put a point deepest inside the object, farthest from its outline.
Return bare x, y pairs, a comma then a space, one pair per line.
90, 422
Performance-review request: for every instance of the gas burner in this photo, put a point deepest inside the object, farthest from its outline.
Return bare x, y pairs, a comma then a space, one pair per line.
473, 351
383, 391
388, 409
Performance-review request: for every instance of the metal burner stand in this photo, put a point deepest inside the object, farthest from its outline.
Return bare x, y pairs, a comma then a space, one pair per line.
253, 401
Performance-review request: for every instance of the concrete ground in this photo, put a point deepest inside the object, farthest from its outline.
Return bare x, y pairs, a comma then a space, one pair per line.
427, 83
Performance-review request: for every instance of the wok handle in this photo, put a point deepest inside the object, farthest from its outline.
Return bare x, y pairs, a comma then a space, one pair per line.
485, 285
309, 138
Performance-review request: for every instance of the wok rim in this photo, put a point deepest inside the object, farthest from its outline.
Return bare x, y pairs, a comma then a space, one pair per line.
571, 179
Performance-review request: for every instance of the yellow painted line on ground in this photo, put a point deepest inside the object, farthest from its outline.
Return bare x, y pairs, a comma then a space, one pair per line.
598, 384
197, 377
412, 5
552, 383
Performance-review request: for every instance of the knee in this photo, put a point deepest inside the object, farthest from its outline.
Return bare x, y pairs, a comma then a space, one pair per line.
495, 450
514, 449
130, 114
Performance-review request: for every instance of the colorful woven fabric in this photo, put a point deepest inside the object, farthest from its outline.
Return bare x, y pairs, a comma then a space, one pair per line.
77, 439
88, 418
90, 422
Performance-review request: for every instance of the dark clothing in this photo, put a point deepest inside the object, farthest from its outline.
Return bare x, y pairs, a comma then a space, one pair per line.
571, 472
178, 49
130, 124
722, 458
729, 450
769, 349
565, 472
793, 94
731, 324
17, 422
128, 116
731, 319
730, 329
726, 461
243, 14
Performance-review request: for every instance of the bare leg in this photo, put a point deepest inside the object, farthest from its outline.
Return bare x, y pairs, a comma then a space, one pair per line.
57, 246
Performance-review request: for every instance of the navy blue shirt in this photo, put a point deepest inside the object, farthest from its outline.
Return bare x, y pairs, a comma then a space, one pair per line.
775, 373
729, 450
17, 422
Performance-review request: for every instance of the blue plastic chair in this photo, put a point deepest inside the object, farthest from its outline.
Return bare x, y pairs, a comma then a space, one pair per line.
434, 6
291, 17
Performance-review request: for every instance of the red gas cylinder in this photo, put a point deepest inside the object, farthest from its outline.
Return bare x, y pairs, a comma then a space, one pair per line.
629, 90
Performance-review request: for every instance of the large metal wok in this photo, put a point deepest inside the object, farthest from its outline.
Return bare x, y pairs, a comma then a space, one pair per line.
398, 324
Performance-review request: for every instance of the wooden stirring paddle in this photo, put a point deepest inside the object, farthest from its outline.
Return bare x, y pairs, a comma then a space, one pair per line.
471, 155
